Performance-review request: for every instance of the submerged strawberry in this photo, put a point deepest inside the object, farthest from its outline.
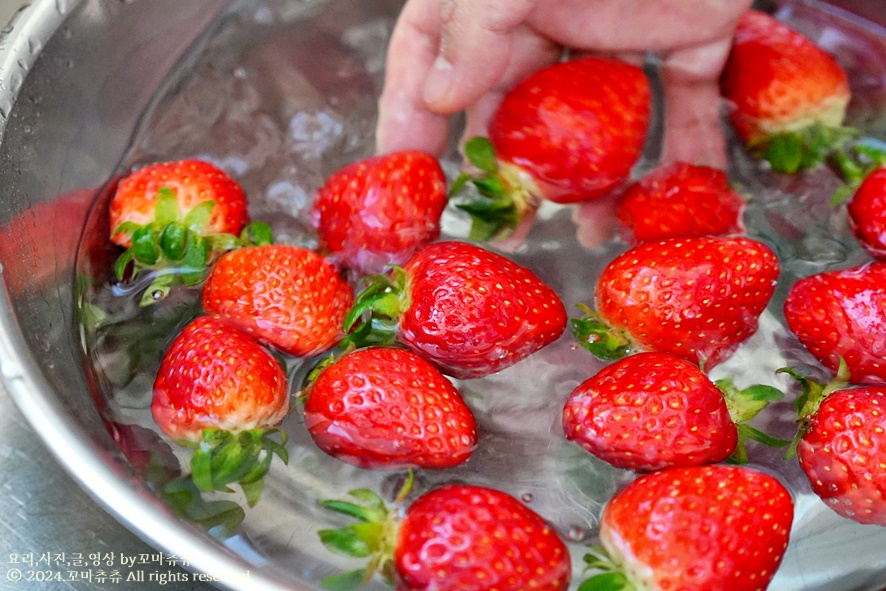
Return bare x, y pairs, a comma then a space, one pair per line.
377, 211
697, 298
454, 538
695, 529
842, 315
567, 133
388, 408
288, 297
220, 392
788, 97
468, 310
652, 411
680, 200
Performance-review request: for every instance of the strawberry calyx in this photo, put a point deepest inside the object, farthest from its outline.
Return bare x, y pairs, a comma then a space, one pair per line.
610, 576
603, 341
373, 536
792, 151
374, 317
176, 247
853, 165
220, 518
810, 398
503, 198
743, 406
222, 458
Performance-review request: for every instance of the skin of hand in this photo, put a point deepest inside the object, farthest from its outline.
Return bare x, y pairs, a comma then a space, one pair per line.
447, 56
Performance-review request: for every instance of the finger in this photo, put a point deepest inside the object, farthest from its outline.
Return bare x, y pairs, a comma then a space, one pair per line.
476, 44
404, 120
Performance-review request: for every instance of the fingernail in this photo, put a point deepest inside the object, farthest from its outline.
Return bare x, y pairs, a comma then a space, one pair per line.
439, 81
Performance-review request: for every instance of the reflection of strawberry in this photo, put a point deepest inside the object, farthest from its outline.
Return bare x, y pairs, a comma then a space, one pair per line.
388, 408
454, 538
377, 211
697, 298
218, 390
842, 314
788, 97
680, 200
567, 133
466, 309
651, 411
287, 296
701, 528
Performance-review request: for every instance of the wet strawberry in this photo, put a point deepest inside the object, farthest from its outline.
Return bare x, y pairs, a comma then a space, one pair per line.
454, 538
220, 392
695, 529
867, 213
388, 408
680, 200
286, 296
652, 411
377, 211
788, 97
697, 298
466, 309
567, 133
842, 314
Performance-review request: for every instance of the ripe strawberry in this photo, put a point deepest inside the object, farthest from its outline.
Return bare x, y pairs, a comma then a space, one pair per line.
570, 132
286, 296
388, 408
176, 215
652, 411
454, 538
468, 310
842, 314
840, 445
787, 96
680, 200
377, 211
220, 392
698, 298
695, 529
867, 213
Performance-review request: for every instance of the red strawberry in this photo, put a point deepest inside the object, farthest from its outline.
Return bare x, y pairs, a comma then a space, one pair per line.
176, 215
468, 310
787, 96
697, 298
841, 443
219, 391
867, 213
652, 411
388, 408
695, 529
570, 132
680, 200
842, 314
454, 538
286, 296
377, 211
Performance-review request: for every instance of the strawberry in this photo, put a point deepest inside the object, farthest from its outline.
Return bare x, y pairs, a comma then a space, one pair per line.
842, 314
382, 407
841, 443
698, 298
220, 392
698, 528
567, 133
787, 96
453, 538
287, 296
176, 215
652, 411
679, 200
377, 211
468, 310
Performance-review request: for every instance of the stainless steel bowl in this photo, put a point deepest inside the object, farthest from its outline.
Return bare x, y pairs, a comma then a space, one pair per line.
83, 85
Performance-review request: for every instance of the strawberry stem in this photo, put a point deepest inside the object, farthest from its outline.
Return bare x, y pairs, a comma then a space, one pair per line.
610, 577
377, 308
793, 151
602, 340
743, 406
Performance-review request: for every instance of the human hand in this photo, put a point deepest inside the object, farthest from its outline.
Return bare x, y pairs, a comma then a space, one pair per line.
446, 56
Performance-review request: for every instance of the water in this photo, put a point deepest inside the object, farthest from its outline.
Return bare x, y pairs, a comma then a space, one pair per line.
281, 95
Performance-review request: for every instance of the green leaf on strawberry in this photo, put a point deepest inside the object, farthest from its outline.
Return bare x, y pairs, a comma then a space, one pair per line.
603, 341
